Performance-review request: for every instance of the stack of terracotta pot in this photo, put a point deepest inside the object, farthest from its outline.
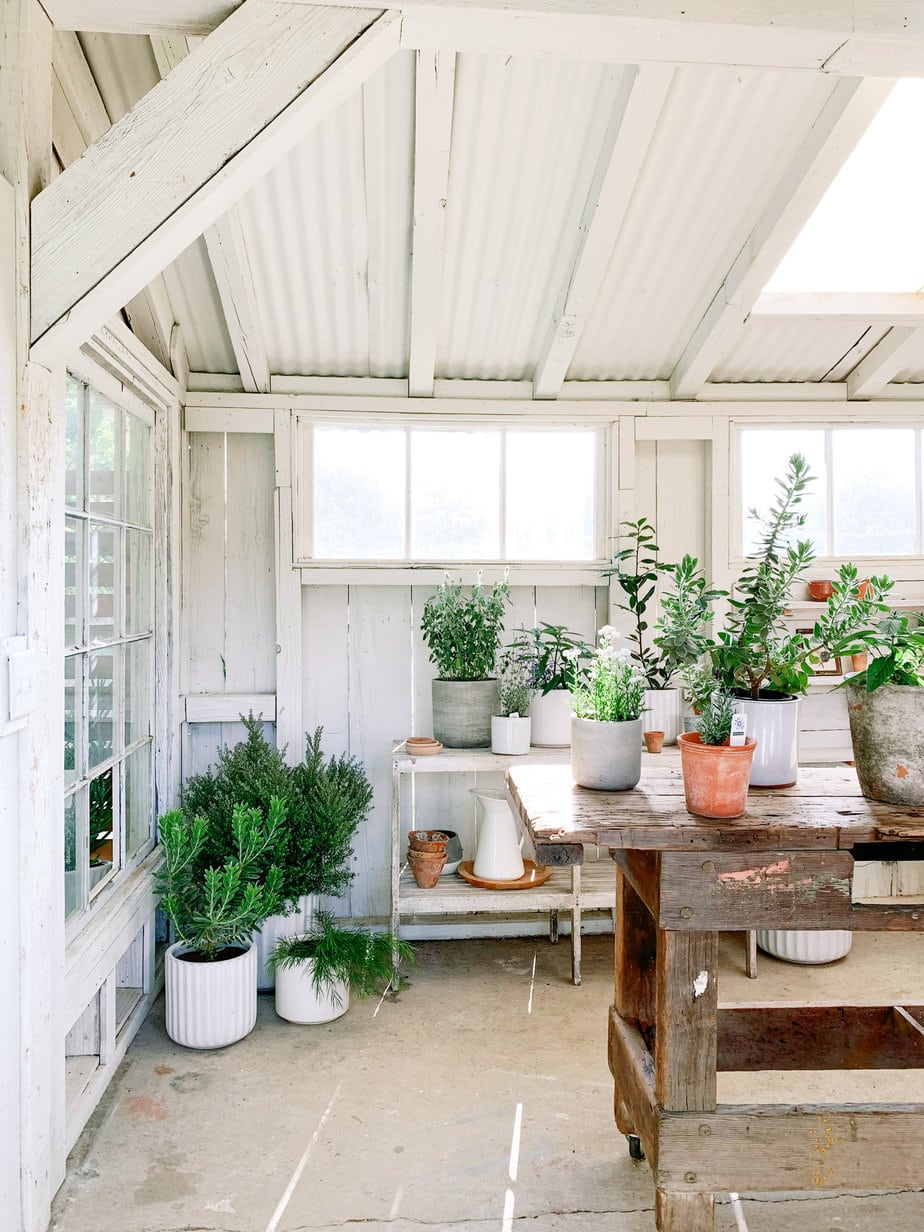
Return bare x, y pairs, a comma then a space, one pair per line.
426, 855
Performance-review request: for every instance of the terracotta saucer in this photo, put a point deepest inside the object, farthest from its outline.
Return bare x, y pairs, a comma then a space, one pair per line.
422, 746
533, 875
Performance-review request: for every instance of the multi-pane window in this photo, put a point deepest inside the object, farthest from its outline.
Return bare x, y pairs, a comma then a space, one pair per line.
866, 497
108, 637
452, 494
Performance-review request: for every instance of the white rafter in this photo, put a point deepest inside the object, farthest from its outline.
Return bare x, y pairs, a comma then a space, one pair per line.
186, 152
798, 189
884, 361
432, 137
631, 128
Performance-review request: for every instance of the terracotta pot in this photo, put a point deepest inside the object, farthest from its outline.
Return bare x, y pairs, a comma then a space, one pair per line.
821, 590
426, 867
428, 840
715, 776
654, 741
863, 588
859, 662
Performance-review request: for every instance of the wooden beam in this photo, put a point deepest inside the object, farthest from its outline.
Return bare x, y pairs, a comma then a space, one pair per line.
187, 152
896, 307
886, 359
842, 121
436, 73
628, 138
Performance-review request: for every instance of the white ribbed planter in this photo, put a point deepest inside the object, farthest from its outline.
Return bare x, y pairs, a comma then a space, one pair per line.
809, 946
277, 926
297, 1001
550, 714
510, 733
774, 724
663, 712
210, 1005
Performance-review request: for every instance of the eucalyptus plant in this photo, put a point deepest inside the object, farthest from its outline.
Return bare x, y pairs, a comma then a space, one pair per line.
357, 957
463, 632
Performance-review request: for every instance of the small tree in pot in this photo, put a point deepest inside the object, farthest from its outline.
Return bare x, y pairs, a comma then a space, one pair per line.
463, 633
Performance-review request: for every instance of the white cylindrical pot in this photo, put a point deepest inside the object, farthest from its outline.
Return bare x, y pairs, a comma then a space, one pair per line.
774, 724
210, 1004
510, 733
606, 756
806, 945
663, 712
462, 712
551, 719
297, 1000
276, 926
497, 857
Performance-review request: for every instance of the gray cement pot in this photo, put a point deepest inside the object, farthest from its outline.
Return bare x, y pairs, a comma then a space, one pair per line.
887, 730
462, 712
606, 756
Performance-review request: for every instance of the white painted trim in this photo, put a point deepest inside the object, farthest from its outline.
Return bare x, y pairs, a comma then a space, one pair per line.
228, 707
213, 419
884, 361
289, 687
435, 87
895, 307
381, 573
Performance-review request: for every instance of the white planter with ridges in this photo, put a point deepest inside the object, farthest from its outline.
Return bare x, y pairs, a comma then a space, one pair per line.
277, 926
809, 946
550, 714
210, 1004
297, 1000
510, 733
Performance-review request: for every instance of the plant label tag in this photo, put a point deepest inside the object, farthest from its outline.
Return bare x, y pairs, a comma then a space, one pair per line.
739, 726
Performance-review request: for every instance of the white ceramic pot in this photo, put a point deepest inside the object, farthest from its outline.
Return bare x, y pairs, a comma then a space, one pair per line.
806, 945
606, 756
774, 724
663, 712
510, 733
277, 926
210, 1004
297, 1000
497, 857
551, 719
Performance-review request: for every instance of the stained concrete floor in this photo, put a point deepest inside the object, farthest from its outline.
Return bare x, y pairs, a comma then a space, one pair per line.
477, 1099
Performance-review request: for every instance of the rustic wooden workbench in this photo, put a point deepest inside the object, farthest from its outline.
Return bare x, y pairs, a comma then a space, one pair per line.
788, 863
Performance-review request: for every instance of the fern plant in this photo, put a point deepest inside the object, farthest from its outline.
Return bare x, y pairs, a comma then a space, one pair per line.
356, 957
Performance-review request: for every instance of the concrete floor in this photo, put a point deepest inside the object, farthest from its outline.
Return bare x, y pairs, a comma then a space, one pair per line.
477, 1099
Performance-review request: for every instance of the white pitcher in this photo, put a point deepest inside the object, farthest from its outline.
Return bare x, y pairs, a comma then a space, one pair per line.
497, 857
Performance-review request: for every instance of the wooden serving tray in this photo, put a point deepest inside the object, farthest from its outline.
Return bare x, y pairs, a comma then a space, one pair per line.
533, 875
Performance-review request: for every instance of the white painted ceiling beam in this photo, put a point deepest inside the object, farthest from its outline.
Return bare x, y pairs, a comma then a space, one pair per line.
628, 138
432, 138
899, 306
186, 152
798, 190
230, 262
851, 37
884, 361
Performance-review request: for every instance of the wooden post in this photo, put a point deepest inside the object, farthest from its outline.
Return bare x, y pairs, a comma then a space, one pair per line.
31, 608
634, 1000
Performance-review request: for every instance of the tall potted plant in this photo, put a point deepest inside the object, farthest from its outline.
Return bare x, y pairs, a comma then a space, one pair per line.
606, 730
510, 726
558, 656
211, 971
463, 633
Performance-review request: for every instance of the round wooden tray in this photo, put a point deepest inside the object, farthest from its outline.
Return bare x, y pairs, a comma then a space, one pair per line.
533, 875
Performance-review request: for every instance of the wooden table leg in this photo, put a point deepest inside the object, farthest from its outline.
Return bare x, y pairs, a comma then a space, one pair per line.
576, 924
634, 1000
685, 1055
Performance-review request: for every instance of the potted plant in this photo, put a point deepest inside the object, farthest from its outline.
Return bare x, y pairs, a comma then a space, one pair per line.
716, 772
679, 636
211, 971
606, 730
557, 656
463, 633
317, 970
510, 726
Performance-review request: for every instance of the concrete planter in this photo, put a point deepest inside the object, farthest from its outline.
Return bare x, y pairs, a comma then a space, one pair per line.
606, 756
297, 1000
210, 1004
887, 730
774, 724
715, 776
663, 712
810, 947
510, 733
551, 719
277, 926
462, 711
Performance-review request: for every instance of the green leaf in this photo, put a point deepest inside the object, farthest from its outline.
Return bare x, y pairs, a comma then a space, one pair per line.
879, 671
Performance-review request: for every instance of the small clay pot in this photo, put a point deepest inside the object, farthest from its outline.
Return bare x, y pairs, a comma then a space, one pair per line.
426, 867
859, 662
821, 590
863, 588
428, 840
654, 741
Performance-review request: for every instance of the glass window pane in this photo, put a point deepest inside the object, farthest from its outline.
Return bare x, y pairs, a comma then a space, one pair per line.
101, 497
359, 487
101, 706
764, 454
73, 581
455, 485
103, 849
73, 736
137, 691
101, 578
139, 617
550, 495
137, 471
70, 856
73, 444
874, 491
139, 818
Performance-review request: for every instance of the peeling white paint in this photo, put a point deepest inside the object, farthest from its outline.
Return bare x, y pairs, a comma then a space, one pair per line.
700, 984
